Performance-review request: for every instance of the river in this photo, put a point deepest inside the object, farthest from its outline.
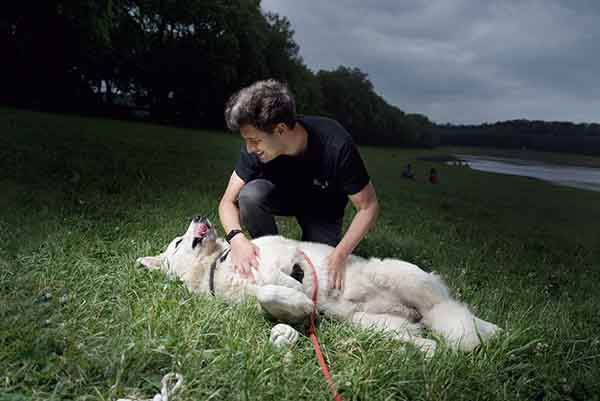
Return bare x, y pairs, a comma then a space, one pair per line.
570, 176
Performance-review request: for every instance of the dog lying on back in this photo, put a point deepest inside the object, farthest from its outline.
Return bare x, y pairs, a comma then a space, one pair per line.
390, 295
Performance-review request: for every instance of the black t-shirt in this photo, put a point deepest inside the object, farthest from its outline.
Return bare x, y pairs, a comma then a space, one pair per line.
318, 181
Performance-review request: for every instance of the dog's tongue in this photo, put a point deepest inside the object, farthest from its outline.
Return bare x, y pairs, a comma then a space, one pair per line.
201, 230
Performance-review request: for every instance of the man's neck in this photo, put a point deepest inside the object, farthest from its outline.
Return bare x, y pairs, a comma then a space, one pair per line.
298, 140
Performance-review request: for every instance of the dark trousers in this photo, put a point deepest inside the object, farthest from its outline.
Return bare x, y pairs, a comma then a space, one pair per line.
259, 202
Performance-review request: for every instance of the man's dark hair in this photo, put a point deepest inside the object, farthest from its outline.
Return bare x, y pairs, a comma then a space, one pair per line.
264, 104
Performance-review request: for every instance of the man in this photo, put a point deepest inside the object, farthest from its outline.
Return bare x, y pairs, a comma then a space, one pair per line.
408, 172
307, 167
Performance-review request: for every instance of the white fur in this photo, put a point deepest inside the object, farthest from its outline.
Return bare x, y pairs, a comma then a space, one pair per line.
390, 295
283, 336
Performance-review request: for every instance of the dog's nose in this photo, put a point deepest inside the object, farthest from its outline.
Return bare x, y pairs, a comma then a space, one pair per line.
197, 218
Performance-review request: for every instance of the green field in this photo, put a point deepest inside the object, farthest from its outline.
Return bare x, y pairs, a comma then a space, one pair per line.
82, 198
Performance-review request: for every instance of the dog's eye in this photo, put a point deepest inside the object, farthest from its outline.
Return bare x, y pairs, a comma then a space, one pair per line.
178, 242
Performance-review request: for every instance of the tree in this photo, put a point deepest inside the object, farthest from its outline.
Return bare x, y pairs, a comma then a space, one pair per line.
349, 97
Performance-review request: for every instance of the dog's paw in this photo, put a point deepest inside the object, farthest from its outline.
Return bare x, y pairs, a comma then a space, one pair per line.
149, 262
428, 347
283, 336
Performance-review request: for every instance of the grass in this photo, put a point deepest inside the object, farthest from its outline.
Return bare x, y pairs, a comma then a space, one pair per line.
82, 198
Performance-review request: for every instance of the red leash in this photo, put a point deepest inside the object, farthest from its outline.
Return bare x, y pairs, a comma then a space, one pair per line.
313, 336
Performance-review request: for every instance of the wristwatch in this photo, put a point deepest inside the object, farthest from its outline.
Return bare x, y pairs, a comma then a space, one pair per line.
232, 234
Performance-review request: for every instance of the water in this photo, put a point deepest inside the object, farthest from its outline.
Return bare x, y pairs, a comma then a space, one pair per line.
570, 176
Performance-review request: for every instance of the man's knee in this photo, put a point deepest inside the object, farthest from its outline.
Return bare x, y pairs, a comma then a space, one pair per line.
254, 193
255, 210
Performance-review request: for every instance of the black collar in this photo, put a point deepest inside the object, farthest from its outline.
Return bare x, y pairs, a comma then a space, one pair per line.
211, 274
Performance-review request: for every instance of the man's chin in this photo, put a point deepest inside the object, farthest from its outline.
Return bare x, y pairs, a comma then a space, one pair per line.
264, 159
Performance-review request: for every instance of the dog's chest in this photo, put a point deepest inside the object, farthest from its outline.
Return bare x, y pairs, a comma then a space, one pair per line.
230, 284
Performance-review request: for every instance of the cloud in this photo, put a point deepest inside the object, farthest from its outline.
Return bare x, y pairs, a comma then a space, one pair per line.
461, 61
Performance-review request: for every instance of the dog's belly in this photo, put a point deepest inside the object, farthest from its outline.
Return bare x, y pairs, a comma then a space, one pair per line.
367, 286
343, 307
361, 291
369, 298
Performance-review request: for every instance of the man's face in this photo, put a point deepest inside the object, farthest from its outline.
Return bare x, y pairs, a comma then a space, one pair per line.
265, 146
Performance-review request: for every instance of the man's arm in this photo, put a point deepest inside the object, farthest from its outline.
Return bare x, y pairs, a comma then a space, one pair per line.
228, 210
244, 254
367, 211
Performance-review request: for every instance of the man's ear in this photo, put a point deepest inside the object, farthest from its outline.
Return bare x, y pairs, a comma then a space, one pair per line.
151, 262
281, 128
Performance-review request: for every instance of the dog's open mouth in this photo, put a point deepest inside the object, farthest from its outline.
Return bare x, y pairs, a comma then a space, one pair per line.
200, 232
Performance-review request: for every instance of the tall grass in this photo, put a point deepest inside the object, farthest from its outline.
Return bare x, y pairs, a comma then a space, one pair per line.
82, 198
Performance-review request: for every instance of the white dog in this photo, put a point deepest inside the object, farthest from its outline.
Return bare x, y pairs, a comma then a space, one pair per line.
390, 295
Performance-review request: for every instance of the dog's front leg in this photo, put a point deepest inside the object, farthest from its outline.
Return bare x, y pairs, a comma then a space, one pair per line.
285, 304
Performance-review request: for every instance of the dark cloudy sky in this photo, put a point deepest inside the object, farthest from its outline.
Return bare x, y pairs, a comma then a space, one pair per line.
461, 61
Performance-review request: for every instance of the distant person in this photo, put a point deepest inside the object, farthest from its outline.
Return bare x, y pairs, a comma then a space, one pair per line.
302, 166
408, 172
433, 176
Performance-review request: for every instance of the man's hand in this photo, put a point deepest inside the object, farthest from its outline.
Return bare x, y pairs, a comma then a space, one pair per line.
244, 255
336, 266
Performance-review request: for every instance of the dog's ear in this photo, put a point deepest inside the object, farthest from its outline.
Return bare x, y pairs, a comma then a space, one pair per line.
151, 262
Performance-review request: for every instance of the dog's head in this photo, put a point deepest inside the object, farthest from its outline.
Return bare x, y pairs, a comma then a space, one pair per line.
187, 250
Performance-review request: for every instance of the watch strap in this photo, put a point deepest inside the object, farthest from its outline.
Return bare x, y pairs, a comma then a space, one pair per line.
232, 234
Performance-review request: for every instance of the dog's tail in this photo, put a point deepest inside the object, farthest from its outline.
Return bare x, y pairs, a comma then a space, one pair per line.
457, 325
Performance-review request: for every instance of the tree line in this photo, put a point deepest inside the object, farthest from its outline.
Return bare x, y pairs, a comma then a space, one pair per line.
557, 136
177, 61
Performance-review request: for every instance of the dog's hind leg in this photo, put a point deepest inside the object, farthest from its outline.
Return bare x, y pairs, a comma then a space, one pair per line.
429, 295
410, 285
486, 329
398, 328
458, 326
